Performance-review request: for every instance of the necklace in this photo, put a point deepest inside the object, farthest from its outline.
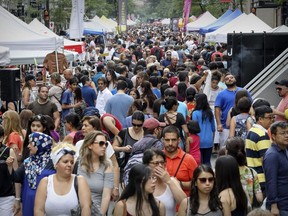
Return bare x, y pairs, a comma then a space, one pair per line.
42, 102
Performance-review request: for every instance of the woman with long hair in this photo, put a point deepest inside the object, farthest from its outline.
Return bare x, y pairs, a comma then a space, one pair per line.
78, 99
236, 148
55, 190
28, 95
231, 193
134, 93
148, 95
204, 115
111, 79
182, 87
137, 197
25, 115
93, 123
203, 198
9, 195
97, 169
13, 135
126, 138
167, 189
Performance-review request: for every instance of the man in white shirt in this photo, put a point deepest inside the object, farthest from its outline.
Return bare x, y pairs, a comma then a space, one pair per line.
103, 95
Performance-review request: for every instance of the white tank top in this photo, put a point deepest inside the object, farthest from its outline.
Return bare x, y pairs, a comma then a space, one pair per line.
57, 204
169, 202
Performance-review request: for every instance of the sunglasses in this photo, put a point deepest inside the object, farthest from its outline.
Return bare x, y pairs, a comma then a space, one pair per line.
278, 89
67, 151
204, 180
101, 143
137, 125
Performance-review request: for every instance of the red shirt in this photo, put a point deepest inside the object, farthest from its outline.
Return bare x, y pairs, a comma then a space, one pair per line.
186, 169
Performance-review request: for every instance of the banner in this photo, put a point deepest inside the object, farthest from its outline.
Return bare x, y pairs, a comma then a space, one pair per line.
76, 20
122, 15
186, 12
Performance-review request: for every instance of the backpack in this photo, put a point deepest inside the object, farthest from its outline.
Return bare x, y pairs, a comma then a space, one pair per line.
59, 99
241, 128
157, 53
136, 158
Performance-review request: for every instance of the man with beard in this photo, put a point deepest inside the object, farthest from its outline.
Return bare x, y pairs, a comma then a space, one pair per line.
224, 102
44, 106
282, 90
178, 163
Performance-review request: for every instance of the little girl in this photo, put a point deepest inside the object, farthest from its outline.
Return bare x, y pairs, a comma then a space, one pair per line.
194, 140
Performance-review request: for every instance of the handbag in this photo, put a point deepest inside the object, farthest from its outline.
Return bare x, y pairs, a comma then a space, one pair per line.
95, 210
255, 203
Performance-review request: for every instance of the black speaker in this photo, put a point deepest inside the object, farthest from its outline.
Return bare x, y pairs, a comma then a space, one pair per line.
10, 84
250, 53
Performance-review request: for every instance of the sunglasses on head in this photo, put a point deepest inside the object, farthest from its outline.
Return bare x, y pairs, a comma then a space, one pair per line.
204, 180
101, 143
279, 89
137, 125
67, 151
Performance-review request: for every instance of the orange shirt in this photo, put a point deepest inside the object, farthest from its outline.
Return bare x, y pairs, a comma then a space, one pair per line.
15, 138
186, 169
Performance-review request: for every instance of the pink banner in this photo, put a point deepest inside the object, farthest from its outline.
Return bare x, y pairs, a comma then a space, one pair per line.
186, 13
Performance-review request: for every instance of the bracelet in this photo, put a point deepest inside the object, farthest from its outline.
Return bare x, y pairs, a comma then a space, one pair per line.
17, 199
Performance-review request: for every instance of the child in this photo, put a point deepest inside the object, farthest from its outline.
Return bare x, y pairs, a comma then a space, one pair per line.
238, 125
194, 141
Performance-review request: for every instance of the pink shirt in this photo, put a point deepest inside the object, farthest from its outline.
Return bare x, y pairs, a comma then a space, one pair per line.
282, 106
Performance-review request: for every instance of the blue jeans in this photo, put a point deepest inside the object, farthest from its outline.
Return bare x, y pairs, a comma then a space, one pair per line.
206, 156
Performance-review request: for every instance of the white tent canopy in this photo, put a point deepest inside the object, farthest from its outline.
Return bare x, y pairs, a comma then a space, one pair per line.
204, 20
17, 35
4, 56
68, 44
166, 21
281, 28
242, 24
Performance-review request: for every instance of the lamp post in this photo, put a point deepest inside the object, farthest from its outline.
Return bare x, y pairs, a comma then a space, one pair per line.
46, 15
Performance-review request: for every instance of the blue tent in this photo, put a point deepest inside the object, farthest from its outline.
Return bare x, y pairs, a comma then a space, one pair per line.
224, 19
223, 22
93, 28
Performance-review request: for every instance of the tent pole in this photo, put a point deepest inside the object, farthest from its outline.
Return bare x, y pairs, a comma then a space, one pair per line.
57, 63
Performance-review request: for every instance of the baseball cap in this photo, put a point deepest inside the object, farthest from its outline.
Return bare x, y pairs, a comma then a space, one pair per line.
282, 83
29, 77
153, 123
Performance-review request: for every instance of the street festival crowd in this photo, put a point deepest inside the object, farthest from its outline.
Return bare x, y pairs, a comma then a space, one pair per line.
131, 131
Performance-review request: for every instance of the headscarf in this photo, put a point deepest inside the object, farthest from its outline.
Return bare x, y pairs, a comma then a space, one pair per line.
62, 149
35, 164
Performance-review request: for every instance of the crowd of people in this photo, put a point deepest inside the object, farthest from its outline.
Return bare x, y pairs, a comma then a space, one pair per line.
132, 132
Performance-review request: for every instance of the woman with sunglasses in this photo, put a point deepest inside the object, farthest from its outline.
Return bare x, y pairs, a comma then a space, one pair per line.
167, 189
203, 198
54, 191
137, 197
232, 195
97, 169
126, 138
37, 166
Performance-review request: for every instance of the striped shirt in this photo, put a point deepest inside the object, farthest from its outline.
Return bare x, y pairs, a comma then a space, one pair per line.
257, 143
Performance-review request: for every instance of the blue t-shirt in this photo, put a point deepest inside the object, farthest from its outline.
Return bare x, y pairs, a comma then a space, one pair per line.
225, 100
118, 106
89, 95
156, 92
96, 77
207, 129
67, 98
